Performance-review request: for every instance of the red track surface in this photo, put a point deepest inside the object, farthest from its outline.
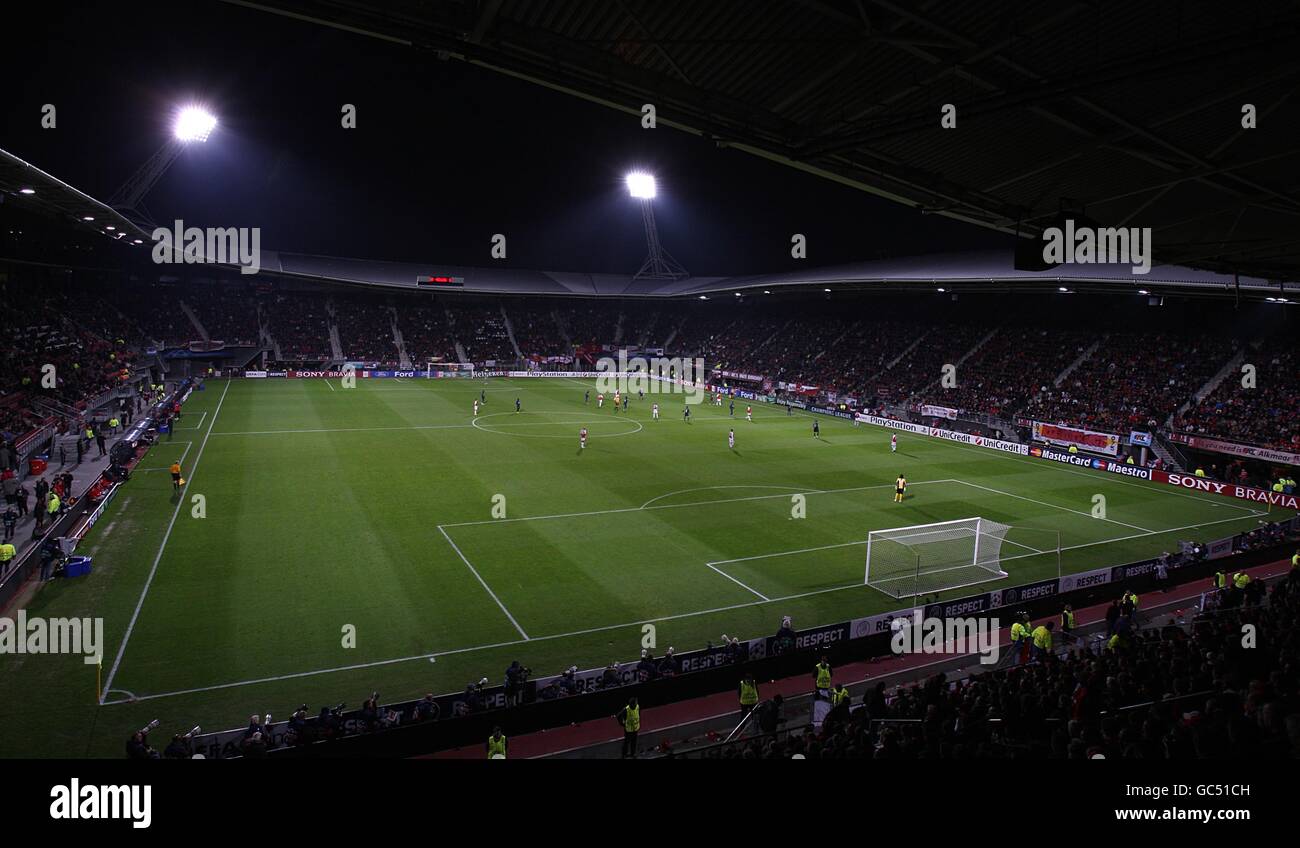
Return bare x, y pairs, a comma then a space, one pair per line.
696, 709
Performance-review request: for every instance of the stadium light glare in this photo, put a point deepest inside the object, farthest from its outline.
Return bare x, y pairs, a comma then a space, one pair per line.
110, 227
826, 290
26, 191
704, 297
765, 291
194, 123
641, 185
1143, 291
941, 288
1063, 289
88, 218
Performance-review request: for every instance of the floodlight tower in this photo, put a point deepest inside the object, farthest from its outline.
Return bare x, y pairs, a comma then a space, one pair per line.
659, 263
193, 124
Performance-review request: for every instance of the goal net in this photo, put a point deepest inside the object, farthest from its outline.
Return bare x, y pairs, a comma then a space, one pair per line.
459, 369
926, 558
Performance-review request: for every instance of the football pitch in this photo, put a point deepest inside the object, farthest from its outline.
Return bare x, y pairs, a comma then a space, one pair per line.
331, 541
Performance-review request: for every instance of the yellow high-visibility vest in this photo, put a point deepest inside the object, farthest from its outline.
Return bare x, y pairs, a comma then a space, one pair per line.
632, 721
1042, 638
823, 676
1067, 619
496, 746
748, 693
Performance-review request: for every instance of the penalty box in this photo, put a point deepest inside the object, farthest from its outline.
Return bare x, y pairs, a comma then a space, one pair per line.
553, 573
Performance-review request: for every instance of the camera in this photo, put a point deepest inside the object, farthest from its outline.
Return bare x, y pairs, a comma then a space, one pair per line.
150, 726
192, 732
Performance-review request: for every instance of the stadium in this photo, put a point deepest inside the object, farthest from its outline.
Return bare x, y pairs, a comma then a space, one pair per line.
929, 394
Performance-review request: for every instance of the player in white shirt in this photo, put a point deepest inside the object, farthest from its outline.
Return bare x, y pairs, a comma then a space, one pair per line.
476, 408
731, 439
893, 443
654, 412
749, 413
600, 400
582, 438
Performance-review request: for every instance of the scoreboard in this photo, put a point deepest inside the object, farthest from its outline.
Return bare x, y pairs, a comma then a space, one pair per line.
441, 281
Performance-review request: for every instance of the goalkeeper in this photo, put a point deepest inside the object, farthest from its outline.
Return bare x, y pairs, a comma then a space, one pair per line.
900, 488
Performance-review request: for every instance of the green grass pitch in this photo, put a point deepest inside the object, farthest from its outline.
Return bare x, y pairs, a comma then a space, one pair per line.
372, 507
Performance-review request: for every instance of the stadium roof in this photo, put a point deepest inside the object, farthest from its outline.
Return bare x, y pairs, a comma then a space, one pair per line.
1128, 113
962, 272
58, 199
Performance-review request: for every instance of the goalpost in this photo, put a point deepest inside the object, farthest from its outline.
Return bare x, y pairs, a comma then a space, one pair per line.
907, 561
432, 369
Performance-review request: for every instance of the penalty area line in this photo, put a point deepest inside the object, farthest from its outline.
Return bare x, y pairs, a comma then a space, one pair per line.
482, 582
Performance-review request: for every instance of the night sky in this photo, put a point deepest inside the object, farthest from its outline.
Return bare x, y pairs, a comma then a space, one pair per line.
445, 154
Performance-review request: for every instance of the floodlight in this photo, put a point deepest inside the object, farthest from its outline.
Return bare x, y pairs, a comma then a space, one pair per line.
641, 185
33, 191
194, 123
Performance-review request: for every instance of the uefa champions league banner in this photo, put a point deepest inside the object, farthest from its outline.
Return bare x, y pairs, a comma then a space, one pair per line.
1089, 440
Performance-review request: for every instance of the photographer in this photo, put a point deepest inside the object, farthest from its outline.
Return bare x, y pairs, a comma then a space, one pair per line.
425, 710
516, 676
137, 747
180, 748
370, 711
297, 733
328, 721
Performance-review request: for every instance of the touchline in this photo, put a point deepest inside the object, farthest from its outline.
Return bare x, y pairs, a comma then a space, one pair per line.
92, 801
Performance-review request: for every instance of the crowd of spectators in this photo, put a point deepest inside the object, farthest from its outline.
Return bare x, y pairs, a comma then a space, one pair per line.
481, 330
425, 334
536, 331
1008, 370
300, 326
1263, 411
1164, 692
1134, 381
228, 313
366, 330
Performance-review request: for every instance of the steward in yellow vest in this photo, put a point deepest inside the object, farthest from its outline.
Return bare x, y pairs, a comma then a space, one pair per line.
1241, 580
1067, 620
1042, 636
630, 718
840, 695
748, 694
496, 744
1220, 579
822, 674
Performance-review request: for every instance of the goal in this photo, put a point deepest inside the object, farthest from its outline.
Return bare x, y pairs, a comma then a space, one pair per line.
433, 369
908, 561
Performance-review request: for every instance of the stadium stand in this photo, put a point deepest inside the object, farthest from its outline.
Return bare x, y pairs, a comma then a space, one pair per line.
300, 327
366, 329
1265, 414
426, 334
1133, 381
227, 313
